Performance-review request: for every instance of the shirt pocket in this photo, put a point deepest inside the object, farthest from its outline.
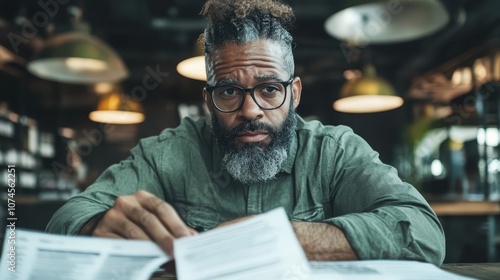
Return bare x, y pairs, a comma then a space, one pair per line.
198, 218
315, 214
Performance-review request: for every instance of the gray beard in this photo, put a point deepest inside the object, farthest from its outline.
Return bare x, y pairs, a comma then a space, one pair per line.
254, 165
251, 163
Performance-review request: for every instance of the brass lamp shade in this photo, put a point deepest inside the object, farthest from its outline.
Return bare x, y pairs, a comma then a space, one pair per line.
368, 94
78, 58
118, 109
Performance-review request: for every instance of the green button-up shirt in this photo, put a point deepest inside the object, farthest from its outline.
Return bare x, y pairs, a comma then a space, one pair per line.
331, 176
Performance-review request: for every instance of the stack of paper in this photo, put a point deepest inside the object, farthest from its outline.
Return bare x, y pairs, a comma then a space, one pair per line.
380, 270
263, 247
35, 255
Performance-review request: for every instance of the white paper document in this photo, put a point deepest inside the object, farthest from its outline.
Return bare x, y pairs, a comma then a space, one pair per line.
262, 247
380, 270
47, 256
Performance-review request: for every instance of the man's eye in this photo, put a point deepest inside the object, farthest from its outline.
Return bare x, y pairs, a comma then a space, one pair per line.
228, 91
270, 89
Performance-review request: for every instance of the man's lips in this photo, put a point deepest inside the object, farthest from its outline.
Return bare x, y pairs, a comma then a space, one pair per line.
252, 136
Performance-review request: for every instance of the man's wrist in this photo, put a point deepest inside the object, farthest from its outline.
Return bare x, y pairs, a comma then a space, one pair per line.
90, 226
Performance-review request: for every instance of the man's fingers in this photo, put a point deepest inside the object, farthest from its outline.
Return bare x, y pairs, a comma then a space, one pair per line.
165, 213
120, 224
143, 216
148, 222
193, 231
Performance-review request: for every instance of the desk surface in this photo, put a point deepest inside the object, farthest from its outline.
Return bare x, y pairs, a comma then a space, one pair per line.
466, 208
482, 271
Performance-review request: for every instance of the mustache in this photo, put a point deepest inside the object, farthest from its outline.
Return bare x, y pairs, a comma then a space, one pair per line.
252, 125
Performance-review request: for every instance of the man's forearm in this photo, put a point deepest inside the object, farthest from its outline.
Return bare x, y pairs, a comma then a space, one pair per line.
323, 242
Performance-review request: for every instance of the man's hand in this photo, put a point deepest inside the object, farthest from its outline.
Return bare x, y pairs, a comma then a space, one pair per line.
142, 216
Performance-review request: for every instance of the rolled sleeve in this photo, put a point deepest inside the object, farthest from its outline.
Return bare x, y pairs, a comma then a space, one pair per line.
381, 216
393, 232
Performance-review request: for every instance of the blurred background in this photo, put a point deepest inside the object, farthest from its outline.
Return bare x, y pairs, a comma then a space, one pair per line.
82, 81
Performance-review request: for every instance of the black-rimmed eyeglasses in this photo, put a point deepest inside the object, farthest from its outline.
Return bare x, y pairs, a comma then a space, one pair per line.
230, 98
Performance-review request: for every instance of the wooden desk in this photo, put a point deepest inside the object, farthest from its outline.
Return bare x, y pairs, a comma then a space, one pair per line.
466, 208
483, 271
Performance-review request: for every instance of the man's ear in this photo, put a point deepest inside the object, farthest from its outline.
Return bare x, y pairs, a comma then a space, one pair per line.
206, 98
297, 90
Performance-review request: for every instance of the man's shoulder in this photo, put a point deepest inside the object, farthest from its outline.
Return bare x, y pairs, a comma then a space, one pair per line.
188, 129
188, 132
314, 128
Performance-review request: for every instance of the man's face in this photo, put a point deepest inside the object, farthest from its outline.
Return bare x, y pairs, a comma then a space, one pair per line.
255, 141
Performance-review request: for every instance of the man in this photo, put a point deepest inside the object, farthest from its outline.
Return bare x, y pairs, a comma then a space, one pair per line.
256, 154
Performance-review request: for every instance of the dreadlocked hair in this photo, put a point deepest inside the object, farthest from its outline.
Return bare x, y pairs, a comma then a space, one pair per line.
241, 21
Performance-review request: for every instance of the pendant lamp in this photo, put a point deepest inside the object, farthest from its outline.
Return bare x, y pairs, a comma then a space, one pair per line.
78, 58
194, 67
368, 94
387, 21
117, 108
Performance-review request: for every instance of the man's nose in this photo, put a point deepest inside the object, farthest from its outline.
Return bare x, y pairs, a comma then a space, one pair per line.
250, 109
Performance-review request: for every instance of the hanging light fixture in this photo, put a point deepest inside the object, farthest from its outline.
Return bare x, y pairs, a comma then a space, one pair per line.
386, 21
371, 22
367, 94
75, 56
117, 108
79, 58
194, 67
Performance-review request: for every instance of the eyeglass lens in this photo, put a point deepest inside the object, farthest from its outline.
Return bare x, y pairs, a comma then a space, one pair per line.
267, 96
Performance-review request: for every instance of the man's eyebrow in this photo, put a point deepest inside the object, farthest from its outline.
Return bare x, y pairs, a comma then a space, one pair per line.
265, 78
227, 81
234, 81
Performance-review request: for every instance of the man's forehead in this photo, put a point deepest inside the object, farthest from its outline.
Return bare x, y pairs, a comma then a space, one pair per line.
265, 58
267, 46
